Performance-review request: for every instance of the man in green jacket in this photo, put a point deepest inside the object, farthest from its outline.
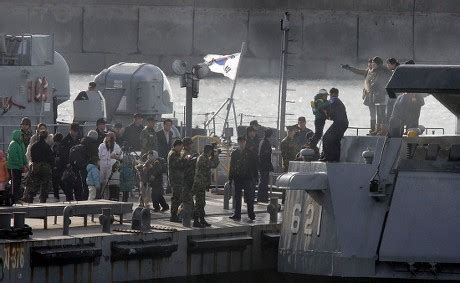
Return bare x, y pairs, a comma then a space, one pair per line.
16, 164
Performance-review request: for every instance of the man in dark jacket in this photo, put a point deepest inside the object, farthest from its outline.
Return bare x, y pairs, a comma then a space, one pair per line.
133, 132
242, 177
303, 135
265, 166
67, 143
252, 146
40, 176
165, 139
331, 140
101, 129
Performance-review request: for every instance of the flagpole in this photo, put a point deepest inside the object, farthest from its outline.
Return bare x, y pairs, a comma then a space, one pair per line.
230, 100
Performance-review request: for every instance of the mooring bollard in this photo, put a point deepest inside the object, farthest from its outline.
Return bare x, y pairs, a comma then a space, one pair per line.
105, 219
146, 218
5, 221
227, 195
68, 212
19, 220
273, 209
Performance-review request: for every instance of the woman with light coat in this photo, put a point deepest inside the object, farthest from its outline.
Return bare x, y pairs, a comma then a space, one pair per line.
108, 150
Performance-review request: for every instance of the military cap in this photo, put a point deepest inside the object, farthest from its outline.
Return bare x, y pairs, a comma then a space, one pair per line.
101, 121
187, 141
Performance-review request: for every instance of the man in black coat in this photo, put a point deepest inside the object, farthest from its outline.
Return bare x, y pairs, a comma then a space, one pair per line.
132, 134
265, 165
67, 143
165, 139
331, 139
101, 129
304, 135
242, 178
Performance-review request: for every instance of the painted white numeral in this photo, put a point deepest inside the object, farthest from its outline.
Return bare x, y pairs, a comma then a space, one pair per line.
295, 224
309, 219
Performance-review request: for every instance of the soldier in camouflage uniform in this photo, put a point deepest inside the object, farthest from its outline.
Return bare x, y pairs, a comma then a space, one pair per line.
40, 174
289, 147
189, 158
207, 160
176, 178
148, 137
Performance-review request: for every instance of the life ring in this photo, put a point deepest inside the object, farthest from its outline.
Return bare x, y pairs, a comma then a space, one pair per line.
41, 89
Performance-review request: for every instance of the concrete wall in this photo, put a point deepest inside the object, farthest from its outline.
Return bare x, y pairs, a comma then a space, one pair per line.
95, 34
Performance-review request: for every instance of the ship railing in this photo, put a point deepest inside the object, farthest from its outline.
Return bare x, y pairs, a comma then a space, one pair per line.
428, 130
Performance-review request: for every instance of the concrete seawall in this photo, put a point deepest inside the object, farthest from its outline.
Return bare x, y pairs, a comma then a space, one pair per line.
95, 34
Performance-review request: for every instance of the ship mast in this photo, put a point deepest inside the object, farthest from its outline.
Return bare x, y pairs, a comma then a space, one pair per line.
281, 121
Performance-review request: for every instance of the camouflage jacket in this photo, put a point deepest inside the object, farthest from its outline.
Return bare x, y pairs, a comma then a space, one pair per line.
204, 165
175, 168
289, 150
148, 140
189, 171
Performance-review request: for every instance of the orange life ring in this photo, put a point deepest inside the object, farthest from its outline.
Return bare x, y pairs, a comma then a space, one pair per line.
41, 89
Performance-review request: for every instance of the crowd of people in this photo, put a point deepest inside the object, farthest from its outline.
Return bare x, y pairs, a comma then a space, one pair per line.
98, 165
101, 165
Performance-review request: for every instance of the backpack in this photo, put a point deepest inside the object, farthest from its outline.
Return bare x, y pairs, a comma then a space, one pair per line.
77, 156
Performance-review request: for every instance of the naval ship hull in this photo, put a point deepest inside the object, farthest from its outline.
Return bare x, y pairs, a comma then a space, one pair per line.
335, 227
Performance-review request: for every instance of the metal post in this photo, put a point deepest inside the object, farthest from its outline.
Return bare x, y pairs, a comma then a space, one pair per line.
188, 107
105, 220
283, 79
273, 209
19, 220
229, 105
227, 194
68, 212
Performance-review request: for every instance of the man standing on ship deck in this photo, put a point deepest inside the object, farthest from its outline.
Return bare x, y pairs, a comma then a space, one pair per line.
176, 178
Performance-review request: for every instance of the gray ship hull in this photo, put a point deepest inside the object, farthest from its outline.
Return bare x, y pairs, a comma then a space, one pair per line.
335, 227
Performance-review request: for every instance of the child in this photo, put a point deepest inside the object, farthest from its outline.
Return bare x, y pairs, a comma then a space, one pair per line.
93, 179
4, 177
